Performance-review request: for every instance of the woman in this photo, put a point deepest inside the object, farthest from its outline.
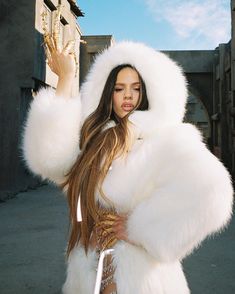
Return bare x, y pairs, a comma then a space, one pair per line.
146, 183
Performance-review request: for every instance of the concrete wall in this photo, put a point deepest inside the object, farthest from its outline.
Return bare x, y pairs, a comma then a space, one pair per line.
232, 48
198, 66
222, 103
17, 63
194, 61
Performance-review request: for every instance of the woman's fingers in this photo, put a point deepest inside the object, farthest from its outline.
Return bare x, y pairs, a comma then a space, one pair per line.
109, 215
104, 223
107, 242
61, 63
111, 242
106, 231
117, 227
56, 29
49, 44
110, 229
48, 39
69, 47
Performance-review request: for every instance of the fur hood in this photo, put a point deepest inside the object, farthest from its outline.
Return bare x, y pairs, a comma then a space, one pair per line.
165, 83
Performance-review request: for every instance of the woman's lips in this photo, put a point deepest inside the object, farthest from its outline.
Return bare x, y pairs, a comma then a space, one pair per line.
127, 106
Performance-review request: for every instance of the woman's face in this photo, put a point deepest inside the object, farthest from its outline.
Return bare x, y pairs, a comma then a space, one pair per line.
126, 91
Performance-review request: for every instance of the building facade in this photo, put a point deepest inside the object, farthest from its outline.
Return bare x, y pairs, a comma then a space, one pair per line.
23, 71
211, 103
223, 119
198, 67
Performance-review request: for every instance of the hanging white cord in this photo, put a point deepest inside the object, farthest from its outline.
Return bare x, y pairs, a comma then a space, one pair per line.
100, 269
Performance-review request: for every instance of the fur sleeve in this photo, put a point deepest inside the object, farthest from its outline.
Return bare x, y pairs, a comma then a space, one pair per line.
51, 134
192, 198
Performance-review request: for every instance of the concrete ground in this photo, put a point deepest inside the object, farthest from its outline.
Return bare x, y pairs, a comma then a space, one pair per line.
33, 234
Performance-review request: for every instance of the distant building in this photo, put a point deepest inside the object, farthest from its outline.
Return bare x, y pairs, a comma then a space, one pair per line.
211, 103
211, 76
198, 66
94, 45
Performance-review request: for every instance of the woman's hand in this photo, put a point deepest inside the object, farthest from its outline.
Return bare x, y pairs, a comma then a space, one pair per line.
63, 64
110, 229
62, 61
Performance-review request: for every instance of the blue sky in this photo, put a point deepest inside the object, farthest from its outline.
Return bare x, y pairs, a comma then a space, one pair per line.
162, 24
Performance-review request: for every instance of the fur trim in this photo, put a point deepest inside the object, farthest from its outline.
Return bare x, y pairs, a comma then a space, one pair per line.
132, 264
81, 272
146, 274
192, 197
51, 135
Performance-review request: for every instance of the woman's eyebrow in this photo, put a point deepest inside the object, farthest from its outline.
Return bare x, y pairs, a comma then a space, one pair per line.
123, 84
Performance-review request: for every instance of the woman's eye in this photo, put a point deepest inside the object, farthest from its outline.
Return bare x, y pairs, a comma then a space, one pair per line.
118, 89
137, 89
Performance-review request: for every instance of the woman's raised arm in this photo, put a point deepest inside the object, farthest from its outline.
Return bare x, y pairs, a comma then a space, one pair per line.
51, 134
63, 64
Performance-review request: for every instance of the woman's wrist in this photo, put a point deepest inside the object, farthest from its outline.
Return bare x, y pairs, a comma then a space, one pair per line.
64, 86
67, 76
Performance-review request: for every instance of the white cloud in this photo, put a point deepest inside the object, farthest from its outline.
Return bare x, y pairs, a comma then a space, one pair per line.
208, 21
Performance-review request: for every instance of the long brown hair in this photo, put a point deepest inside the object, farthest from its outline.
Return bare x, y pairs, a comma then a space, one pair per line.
99, 147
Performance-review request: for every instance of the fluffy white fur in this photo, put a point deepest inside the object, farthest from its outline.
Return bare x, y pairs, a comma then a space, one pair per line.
51, 137
175, 191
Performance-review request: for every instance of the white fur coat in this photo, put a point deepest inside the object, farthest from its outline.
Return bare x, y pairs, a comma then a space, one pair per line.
175, 191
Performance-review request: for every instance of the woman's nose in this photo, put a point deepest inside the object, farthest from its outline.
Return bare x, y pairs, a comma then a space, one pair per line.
128, 94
